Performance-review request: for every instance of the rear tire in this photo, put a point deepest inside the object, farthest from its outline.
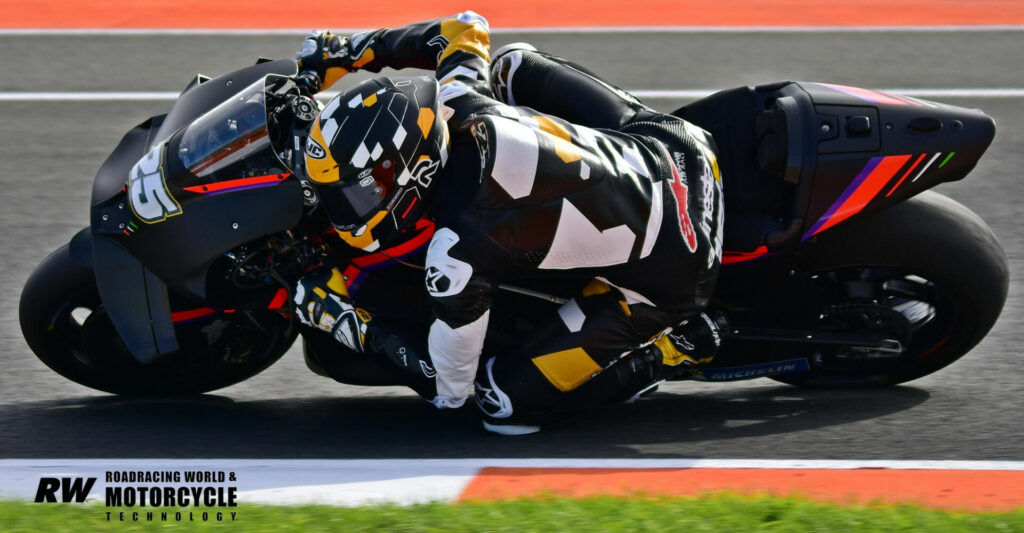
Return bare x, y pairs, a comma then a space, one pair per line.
65, 324
927, 255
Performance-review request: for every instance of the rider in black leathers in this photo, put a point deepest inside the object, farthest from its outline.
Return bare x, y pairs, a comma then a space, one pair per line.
530, 167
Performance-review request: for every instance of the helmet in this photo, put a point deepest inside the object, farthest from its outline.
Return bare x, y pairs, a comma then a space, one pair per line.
373, 154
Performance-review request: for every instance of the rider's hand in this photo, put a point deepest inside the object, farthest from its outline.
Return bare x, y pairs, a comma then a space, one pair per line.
326, 54
318, 306
309, 82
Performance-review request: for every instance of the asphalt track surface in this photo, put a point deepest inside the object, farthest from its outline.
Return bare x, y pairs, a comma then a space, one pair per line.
50, 150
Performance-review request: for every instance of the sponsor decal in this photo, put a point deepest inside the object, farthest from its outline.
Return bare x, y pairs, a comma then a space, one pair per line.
423, 171
711, 200
735, 373
445, 275
682, 342
150, 496
713, 328
314, 150
348, 331
427, 370
437, 282
680, 190
489, 398
479, 131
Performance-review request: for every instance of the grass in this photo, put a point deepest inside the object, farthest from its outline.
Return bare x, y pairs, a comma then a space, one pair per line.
717, 513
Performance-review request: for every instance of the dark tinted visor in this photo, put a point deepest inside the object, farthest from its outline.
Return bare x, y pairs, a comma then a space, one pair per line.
354, 203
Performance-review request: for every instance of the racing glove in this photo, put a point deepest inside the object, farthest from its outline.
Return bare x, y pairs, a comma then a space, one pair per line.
332, 56
323, 303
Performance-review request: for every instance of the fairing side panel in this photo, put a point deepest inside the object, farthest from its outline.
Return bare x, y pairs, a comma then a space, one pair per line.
798, 158
883, 149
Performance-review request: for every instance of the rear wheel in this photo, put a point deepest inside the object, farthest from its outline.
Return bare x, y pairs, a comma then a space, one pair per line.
928, 276
65, 324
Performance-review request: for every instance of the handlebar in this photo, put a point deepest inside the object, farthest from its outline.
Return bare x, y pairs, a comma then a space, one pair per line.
309, 82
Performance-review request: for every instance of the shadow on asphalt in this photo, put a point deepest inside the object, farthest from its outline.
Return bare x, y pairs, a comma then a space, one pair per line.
211, 426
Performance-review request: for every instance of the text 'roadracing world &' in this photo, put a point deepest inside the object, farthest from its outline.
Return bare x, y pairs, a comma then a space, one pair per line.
152, 496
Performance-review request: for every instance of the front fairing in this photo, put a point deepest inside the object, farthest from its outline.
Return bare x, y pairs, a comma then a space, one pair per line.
196, 99
164, 225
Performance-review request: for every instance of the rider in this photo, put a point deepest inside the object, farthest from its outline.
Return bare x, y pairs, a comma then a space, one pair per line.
532, 168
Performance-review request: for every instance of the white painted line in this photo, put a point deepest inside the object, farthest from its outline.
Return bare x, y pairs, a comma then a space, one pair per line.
915, 92
371, 466
400, 481
84, 96
247, 32
682, 94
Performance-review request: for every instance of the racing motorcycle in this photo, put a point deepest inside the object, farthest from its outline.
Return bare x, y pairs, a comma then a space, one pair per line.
840, 267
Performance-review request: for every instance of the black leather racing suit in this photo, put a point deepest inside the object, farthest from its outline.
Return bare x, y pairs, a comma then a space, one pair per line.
553, 173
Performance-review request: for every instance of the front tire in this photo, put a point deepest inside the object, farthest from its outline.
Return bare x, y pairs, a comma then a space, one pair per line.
65, 324
928, 271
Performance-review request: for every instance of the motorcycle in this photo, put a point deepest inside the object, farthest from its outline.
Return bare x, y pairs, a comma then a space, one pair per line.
840, 267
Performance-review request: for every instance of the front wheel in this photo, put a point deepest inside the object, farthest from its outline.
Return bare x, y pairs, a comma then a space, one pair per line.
928, 275
65, 324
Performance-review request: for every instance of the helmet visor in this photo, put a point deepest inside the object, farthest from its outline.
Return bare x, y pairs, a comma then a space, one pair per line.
354, 203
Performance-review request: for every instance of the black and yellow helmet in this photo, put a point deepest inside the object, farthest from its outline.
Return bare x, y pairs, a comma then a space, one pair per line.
373, 153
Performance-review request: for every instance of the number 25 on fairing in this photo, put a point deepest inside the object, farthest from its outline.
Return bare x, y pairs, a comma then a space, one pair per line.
150, 200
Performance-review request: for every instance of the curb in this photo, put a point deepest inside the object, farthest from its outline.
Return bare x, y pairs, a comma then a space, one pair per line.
951, 485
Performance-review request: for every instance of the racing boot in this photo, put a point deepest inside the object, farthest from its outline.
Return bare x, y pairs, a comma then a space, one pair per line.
682, 352
693, 344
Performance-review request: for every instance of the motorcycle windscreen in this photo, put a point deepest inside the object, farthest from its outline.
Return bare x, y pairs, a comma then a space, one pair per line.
135, 300
227, 134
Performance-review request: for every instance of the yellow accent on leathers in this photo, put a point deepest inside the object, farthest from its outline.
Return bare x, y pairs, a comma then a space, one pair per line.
364, 59
596, 287
560, 137
332, 75
567, 369
552, 127
472, 38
